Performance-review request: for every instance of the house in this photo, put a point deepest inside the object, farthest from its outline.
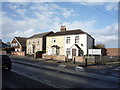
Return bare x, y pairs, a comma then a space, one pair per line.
3, 45
69, 43
113, 51
37, 42
19, 43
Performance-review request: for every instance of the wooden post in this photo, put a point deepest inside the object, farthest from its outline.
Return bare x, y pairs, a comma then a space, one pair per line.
86, 62
74, 60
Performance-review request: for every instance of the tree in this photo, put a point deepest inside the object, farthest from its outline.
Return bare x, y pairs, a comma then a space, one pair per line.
100, 46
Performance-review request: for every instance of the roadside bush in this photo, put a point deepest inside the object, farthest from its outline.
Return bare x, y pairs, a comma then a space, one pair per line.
9, 49
39, 54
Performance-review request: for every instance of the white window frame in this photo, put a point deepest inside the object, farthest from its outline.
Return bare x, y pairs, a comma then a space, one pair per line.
68, 40
67, 51
76, 39
53, 40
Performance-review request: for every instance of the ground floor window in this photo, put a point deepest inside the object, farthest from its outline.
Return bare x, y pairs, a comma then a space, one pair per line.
68, 51
55, 51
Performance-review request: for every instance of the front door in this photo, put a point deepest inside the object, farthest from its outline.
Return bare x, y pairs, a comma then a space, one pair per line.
73, 52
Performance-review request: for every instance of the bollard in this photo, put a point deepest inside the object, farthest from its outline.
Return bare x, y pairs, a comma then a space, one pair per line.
74, 60
86, 62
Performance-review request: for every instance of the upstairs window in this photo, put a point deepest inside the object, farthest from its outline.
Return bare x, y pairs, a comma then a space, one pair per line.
53, 40
68, 40
76, 39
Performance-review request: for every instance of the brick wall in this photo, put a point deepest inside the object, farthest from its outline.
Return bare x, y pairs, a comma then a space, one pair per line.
55, 57
78, 59
19, 53
113, 51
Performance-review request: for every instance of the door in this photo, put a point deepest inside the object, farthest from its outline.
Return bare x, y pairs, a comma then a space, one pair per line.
73, 52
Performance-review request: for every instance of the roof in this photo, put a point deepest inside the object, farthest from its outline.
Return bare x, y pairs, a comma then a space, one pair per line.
21, 40
40, 35
68, 32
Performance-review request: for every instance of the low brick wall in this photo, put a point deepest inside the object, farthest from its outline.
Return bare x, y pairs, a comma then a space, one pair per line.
78, 59
55, 57
3, 52
19, 53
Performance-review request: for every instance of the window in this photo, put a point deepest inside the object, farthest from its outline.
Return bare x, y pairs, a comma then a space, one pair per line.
68, 51
38, 42
68, 40
54, 51
53, 40
57, 51
76, 39
16, 44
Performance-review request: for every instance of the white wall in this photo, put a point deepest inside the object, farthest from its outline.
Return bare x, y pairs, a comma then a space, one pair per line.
82, 40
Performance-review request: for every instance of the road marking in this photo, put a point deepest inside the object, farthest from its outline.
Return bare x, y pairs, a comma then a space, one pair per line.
42, 81
35, 79
62, 66
78, 68
47, 81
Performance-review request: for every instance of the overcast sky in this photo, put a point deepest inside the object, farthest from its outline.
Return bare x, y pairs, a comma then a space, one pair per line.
99, 19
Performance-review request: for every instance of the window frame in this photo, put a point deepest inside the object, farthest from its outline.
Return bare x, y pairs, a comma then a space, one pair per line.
77, 39
68, 40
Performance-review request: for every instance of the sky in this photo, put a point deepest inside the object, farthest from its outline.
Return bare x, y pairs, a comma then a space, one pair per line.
24, 19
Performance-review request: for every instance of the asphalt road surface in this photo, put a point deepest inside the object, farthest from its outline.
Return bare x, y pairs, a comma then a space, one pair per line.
11, 79
27, 76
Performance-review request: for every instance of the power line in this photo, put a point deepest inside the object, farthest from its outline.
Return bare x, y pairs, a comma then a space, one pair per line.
102, 11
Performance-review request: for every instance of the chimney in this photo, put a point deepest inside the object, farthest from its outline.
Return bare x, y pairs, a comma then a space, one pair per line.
63, 28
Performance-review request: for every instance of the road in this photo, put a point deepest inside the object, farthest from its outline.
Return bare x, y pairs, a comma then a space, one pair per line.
34, 77
12, 79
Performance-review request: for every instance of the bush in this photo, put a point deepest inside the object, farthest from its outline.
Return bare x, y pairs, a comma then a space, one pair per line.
39, 54
9, 49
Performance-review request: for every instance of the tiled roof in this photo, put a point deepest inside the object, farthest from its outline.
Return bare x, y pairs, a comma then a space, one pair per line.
68, 32
21, 40
40, 35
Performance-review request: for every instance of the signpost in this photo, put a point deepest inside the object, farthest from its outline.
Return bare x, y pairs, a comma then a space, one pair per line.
94, 52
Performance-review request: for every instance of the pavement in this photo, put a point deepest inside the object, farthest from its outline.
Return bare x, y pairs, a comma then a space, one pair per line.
109, 69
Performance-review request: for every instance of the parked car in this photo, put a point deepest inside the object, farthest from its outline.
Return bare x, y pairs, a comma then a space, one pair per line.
6, 62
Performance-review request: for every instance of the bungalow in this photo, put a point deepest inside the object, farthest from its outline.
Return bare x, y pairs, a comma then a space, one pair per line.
69, 43
37, 42
19, 43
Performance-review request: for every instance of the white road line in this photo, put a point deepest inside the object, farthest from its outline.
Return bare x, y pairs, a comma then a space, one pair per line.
35, 79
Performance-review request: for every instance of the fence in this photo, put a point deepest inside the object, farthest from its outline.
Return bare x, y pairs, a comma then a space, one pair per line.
18, 53
106, 59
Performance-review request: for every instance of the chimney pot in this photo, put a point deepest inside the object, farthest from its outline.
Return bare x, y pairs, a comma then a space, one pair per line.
63, 28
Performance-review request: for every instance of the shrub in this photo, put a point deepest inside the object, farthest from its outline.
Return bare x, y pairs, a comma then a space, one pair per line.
40, 52
9, 49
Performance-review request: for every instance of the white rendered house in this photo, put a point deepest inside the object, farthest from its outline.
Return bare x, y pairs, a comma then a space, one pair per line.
69, 43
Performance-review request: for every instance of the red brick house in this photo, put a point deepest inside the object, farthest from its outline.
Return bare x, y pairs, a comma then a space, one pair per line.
19, 43
113, 51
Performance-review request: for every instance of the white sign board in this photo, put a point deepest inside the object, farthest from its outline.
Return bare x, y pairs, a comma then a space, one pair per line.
94, 51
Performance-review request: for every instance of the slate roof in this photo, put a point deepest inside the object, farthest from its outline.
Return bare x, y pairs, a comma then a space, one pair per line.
40, 35
21, 40
68, 32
